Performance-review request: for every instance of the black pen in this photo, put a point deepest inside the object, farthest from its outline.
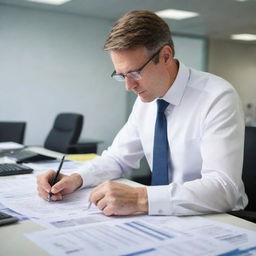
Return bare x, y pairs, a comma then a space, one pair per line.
54, 179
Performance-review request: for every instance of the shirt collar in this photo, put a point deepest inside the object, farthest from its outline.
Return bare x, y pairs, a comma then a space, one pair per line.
176, 91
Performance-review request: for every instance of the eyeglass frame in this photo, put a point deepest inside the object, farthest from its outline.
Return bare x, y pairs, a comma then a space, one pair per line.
121, 77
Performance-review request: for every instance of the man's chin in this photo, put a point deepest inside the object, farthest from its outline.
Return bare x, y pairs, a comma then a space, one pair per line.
145, 99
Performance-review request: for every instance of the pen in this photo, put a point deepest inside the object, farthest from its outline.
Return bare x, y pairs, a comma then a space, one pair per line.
54, 179
89, 205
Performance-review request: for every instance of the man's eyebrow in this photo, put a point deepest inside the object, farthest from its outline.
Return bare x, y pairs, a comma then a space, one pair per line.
130, 70
124, 73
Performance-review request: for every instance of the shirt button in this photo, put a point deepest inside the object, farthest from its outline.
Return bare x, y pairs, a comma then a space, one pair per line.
160, 211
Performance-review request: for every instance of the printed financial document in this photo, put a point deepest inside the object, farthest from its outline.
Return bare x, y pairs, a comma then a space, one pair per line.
20, 195
143, 235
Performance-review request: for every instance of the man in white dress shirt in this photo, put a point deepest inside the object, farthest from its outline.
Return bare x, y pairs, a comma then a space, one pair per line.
205, 130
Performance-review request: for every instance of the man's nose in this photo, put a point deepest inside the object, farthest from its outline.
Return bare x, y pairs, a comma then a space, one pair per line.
130, 84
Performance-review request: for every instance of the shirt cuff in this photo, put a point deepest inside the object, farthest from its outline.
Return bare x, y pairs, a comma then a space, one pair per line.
86, 172
159, 202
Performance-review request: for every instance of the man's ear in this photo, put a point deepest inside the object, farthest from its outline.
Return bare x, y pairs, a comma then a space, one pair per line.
167, 53
166, 57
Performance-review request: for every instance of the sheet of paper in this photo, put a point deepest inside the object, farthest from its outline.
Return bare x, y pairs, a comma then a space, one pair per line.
147, 235
72, 221
67, 167
20, 195
4, 209
9, 145
200, 227
133, 236
24, 201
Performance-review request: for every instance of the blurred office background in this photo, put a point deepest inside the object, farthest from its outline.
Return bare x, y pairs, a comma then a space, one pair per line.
52, 59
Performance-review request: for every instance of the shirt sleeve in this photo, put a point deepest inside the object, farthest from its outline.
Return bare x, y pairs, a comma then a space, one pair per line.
121, 157
220, 188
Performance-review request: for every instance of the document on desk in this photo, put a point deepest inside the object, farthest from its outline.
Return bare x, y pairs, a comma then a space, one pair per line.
239, 238
10, 145
130, 236
20, 195
148, 236
9, 211
68, 167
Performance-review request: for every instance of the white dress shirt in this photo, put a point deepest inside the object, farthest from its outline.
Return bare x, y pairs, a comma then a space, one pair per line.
205, 128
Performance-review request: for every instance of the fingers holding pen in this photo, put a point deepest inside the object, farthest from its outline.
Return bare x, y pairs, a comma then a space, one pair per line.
44, 187
43, 181
65, 185
45, 195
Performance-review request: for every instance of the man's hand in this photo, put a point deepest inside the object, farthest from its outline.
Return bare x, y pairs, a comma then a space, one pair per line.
119, 199
65, 185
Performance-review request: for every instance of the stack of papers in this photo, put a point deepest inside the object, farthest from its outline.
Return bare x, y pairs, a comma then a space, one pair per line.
73, 229
10, 146
68, 166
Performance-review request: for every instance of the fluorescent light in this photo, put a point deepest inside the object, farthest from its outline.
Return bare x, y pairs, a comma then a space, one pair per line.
176, 14
55, 2
245, 37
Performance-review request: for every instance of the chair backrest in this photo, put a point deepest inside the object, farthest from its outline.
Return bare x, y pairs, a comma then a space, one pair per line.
66, 130
249, 167
12, 131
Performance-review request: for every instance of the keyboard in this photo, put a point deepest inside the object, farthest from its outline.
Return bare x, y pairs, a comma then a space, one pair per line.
14, 169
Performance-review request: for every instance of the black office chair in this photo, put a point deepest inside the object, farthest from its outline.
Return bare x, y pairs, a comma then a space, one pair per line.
12, 131
249, 175
84, 147
66, 130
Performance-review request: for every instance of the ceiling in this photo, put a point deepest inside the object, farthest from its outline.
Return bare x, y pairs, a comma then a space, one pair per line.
218, 18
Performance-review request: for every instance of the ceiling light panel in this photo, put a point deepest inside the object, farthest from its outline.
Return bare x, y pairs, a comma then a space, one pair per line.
245, 37
54, 2
176, 14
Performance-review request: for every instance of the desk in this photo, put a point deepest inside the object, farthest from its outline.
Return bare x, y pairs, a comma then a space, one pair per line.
13, 242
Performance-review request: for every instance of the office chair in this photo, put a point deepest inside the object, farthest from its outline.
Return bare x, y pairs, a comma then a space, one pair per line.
84, 147
249, 175
12, 131
66, 130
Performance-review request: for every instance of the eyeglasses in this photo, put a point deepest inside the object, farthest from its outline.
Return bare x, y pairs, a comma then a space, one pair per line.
134, 75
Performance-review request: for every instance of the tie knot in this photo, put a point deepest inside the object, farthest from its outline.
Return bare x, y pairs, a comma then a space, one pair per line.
162, 105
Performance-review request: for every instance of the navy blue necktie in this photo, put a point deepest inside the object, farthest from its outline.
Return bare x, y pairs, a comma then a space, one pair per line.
161, 149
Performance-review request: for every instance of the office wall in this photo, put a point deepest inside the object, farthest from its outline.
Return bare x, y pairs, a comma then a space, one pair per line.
51, 63
192, 51
236, 62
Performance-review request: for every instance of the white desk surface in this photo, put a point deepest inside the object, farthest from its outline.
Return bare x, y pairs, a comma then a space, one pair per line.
13, 242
